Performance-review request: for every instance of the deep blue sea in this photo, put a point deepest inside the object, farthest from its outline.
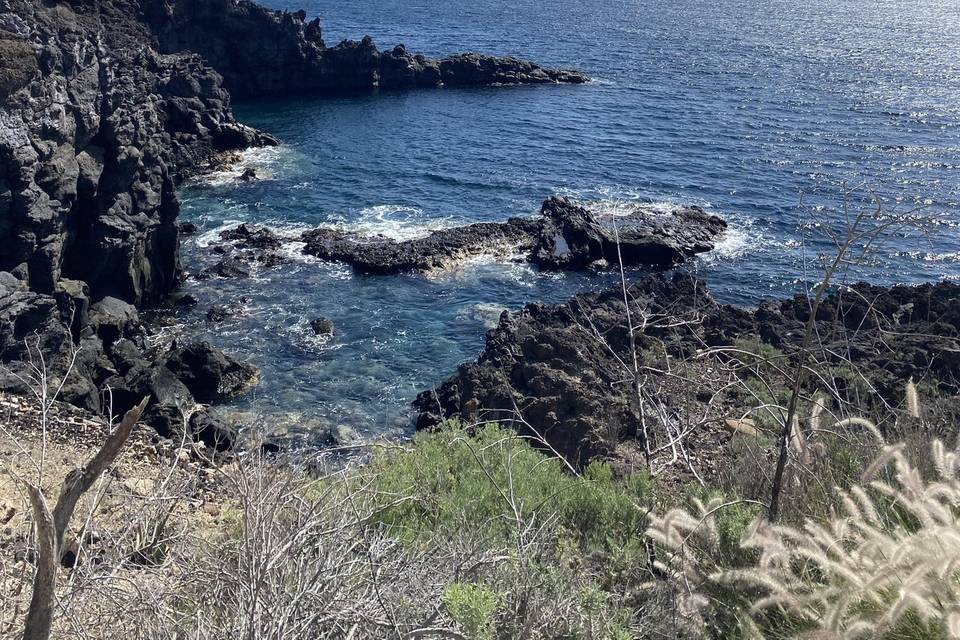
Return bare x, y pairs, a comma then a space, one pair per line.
763, 111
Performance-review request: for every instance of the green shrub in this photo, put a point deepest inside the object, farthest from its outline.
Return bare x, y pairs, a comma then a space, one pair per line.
497, 481
472, 607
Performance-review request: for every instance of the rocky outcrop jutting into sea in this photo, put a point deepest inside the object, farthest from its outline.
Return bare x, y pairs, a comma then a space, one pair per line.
261, 52
92, 143
564, 372
567, 235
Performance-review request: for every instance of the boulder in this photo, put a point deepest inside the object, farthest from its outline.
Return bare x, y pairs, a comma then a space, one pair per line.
73, 300
170, 400
248, 236
112, 319
213, 431
210, 374
25, 314
188, 228
226, 268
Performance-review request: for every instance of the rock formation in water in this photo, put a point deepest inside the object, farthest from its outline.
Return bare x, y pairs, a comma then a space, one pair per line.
104, 106
566, 236
440, 249
261, 52
564, 373
572, 236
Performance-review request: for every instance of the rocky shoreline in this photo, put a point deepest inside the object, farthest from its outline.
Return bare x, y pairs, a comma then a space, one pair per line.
565, 374
108, 105
284, 54
105, 106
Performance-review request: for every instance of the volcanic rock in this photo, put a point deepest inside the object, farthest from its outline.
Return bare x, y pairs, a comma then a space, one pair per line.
573, 236
251, 237
560, 374
282, 53
213, 431
322, 326
566, 236
440, 249
227, 268
209, 374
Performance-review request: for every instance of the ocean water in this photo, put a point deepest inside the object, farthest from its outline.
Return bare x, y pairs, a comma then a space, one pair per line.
765, 112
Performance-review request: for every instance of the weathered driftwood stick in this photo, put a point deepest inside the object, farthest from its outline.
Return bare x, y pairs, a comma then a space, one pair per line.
52, 527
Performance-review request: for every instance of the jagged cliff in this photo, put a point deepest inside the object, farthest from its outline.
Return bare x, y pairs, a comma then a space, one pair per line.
91, 146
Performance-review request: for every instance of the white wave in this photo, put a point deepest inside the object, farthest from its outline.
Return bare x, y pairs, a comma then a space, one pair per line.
949, 257
267, 162
486, 312
626, 193
396, 221
735, 243
621, 201
212, 236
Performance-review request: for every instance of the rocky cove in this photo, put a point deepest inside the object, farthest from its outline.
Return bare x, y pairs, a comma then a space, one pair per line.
658, 336
109, 106
106, 107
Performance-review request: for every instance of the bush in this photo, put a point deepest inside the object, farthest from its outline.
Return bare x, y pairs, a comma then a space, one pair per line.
472, 607
497, 482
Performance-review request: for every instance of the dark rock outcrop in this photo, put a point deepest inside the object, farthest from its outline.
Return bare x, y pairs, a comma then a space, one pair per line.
210, 374
213, 431
96, 128
250, 237
566, 236
322, 326
573, 236
283, 53
562, 372
473, 69
439, 249
92, 146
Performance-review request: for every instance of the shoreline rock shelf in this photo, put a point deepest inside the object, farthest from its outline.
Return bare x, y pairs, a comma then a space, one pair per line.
562, 366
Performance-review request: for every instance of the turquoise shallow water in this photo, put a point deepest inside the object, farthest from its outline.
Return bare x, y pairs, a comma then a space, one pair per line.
739, 106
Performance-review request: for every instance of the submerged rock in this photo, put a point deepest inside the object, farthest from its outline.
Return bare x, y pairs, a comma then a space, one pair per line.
322, 326
248, 236
225, 268
218, 313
